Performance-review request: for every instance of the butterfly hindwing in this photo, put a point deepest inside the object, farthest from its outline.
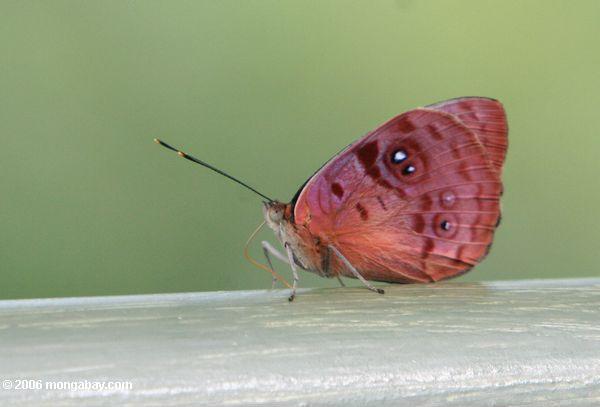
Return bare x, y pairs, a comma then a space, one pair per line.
415, 200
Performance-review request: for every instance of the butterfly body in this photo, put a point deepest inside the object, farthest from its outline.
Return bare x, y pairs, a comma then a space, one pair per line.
416, 200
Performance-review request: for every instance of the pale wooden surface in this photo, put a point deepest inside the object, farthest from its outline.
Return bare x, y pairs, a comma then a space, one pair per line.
530, 343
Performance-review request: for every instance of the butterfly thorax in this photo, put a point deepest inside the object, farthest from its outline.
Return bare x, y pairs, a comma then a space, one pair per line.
307, 249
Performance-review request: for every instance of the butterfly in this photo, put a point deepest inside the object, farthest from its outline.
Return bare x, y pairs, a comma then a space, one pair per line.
417, 200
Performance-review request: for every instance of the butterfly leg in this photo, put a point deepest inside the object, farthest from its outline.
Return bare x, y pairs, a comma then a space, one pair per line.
294, 271
269, 249
354, 271
326, 267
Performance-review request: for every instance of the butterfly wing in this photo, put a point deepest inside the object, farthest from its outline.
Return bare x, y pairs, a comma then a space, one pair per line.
415, 200
487, 119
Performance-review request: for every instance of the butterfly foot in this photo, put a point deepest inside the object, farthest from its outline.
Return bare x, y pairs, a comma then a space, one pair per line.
380, 291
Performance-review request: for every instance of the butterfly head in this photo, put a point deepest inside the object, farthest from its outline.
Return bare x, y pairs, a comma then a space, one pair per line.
276, 213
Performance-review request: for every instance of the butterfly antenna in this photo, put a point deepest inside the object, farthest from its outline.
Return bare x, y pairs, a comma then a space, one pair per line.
260, 265
210, 167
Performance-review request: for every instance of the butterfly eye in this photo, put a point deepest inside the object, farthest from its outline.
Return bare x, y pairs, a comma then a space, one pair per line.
275, 215
399, 156
446, 225
409, 169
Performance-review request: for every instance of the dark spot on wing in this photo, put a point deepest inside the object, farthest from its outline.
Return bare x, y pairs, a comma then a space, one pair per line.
399, 156
367, 154
405, 125
409, 169
381, 203
374, 172
464, 171
419, 223
455, 151
435, 133
427, 249
364, 215
384, 183
337, 190
426, 203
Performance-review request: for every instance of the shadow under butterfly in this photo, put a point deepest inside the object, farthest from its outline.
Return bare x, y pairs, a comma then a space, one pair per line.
417, 200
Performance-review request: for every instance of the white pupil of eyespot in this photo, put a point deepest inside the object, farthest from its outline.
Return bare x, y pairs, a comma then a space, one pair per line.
399, 156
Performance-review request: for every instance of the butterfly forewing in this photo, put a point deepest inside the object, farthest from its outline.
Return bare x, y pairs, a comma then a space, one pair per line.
486, 118
415, 200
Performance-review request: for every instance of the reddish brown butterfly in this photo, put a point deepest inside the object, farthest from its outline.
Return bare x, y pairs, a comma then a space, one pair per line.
417, 200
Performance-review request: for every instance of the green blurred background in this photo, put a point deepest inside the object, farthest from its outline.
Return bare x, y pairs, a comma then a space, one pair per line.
269, 90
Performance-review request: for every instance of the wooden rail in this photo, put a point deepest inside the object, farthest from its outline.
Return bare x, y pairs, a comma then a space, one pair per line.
530, 343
